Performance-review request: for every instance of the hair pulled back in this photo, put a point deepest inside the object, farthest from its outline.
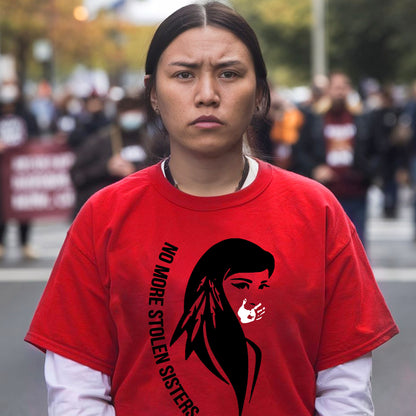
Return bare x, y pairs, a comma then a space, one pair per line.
200, 15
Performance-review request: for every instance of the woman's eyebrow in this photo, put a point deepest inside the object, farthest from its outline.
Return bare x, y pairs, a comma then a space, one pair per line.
224, 64
195, 65
184, 64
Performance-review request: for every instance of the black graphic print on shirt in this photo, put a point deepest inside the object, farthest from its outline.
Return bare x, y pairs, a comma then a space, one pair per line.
214, 312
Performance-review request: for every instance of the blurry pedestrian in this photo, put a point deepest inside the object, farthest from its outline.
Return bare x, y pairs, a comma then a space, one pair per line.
211, 283
275, 135
390, 130
319, 93
287, 121
17, 126
410, 112
90, 120
68, 112
43, 108
113, 152
336, 149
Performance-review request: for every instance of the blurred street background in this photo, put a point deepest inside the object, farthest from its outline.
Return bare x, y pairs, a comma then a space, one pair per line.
71, 69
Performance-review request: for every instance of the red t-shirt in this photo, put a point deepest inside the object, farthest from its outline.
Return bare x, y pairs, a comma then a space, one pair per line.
224, 305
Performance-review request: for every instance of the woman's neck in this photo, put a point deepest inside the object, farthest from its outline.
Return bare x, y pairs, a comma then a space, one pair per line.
207, 176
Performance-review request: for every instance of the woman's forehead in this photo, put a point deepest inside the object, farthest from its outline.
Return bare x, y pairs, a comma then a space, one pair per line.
205, 44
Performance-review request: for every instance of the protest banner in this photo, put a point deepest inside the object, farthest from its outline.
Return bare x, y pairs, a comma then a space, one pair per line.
35, 181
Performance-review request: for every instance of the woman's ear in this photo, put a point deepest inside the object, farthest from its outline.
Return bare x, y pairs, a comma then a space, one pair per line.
149, 83
259, 97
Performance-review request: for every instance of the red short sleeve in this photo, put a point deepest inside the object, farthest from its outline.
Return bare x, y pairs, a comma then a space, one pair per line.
356, 319
73, 318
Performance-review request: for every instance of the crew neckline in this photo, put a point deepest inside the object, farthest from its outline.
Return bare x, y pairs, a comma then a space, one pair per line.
212, 203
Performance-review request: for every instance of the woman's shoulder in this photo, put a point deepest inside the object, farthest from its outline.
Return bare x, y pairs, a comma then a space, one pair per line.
298, 184
126, 189
300, 193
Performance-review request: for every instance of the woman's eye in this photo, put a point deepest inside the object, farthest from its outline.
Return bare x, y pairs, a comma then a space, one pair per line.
184, 75
263, 285
228, 74
241, 285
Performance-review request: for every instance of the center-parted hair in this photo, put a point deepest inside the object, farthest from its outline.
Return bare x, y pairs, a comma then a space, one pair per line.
201, 15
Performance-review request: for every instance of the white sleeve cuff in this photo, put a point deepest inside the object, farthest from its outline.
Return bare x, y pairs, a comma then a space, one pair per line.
345, 389
76, 389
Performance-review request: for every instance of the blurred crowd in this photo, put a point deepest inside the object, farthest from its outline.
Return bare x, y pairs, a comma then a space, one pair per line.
108, 134
344, 137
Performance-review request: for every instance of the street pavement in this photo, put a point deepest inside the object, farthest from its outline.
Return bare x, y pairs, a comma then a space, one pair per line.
392, 253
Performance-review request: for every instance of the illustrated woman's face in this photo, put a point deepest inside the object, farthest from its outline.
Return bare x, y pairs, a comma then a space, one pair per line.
205, 91
245, 291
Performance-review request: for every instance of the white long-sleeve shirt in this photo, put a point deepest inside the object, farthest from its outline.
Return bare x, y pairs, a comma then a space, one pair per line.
77, 390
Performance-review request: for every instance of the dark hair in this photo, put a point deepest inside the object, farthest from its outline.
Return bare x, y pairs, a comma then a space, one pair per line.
200, 15
136, 102
212, 327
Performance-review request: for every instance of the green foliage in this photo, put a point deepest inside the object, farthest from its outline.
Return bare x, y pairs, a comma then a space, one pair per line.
284, 34
105, 42
361, 37
374, 38
364, 37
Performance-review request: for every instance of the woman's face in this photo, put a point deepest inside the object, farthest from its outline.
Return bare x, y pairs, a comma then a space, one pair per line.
245, 292
205, 91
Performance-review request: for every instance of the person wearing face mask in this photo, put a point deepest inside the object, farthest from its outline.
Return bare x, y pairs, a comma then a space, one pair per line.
113, 153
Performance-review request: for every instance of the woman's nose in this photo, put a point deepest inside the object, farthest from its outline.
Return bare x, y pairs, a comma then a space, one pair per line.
207, 92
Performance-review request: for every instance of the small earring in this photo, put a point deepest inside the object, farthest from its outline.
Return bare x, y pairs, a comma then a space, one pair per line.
156, 109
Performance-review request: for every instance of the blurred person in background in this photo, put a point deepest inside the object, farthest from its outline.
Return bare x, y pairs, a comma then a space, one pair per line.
274, 136
90, 120
319, 93
42, 106
287, 121
335, 148
17, 126
390, 130
115, 151
410, 112
68, 112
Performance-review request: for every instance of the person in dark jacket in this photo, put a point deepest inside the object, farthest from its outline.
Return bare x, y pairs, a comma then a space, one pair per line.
390, 128
112, 153
335, 148
88, 122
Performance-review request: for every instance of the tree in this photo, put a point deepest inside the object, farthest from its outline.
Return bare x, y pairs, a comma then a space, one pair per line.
283, 30
365, 38
105, 42
373, 38
20, 22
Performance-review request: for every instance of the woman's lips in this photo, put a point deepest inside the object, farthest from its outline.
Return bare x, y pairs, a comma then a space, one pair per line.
207, 122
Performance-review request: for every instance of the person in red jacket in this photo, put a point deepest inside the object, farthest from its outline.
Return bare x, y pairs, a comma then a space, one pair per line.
210, 283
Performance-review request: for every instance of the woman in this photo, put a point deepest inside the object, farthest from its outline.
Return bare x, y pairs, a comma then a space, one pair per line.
118, 300
213, 329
